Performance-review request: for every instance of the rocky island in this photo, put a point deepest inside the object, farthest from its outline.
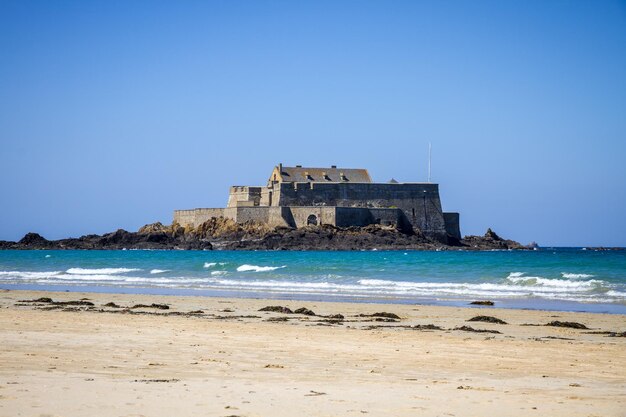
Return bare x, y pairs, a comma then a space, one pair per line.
302, 208
226, 234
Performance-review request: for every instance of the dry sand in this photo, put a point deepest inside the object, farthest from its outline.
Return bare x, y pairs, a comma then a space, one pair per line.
149, 362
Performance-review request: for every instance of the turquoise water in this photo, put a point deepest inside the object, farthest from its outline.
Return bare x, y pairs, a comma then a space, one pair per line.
558, 279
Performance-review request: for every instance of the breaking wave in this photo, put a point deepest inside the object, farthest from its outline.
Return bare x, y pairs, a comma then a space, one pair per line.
255, 268
316, 280
98, 271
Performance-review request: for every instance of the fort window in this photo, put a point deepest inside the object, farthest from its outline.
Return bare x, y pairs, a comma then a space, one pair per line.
311, 220
413, 210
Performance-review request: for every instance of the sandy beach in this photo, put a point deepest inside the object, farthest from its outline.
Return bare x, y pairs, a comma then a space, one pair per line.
223, 357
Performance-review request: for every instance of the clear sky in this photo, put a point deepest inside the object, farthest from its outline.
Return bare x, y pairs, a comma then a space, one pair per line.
115, 113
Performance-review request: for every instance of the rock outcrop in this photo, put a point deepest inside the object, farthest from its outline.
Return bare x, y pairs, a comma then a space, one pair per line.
221, 233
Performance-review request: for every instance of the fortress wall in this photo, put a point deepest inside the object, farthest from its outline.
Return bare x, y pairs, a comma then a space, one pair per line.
257, 214
388, 217
196, 217
420, 202
246, 194
353, 216
324, 215
453, 227
280, 217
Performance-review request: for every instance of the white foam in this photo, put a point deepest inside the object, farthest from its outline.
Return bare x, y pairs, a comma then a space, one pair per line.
214, 273
47, 256
100, 271
210, 264
29, 274
255, 268
575, 276
158, 271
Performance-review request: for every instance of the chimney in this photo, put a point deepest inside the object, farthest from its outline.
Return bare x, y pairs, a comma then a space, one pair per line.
333, 166
280, 167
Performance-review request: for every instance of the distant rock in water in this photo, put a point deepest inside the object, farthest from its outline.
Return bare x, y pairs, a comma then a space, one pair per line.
226, 234
35, 240
492, 235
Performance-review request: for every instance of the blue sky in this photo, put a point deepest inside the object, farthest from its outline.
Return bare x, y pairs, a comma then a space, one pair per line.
115, 113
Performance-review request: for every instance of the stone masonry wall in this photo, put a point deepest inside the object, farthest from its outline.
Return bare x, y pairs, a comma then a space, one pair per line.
453, 224
419, 201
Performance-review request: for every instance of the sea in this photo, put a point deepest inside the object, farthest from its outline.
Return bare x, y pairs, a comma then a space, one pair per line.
562, 279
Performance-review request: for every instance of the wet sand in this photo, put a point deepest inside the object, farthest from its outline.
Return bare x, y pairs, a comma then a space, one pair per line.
227, 358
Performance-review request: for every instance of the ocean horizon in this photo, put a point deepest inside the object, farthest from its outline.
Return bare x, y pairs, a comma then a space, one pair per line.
563, 279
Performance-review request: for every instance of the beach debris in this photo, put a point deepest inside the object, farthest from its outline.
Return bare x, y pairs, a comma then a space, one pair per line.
488, 319
73, 303
568, 324
157, 380
38, 300
112, 305
330, 321
196, 312
382, 314
277, 309
482, 303
423, 327
305, 311
278, 319
314, 393
48, 300
273, 366
575, 385
471, 329
608, 333
153, 305
335, 317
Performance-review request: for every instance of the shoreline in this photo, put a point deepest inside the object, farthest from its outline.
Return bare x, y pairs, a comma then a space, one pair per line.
224, 357
500, 304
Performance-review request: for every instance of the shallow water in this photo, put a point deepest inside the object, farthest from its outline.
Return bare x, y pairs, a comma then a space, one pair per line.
555, 278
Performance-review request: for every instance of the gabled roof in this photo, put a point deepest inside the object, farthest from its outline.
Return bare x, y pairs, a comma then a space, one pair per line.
332, 174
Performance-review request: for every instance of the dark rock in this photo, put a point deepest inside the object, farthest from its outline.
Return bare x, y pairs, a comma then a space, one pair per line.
424, 327
568, 324
617, 334
278, 319
112, 305
73, 303
335, 317
153, 305
488, 319
35, 241
277, 309
196, 312
471, 329
304, 311
482, 303
228, 235
38, 300
382, 314
490, 234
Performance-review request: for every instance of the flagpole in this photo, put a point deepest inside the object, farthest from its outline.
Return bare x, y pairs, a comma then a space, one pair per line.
429, 158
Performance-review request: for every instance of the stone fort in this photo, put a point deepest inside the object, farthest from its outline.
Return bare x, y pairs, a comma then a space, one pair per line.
300, 196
